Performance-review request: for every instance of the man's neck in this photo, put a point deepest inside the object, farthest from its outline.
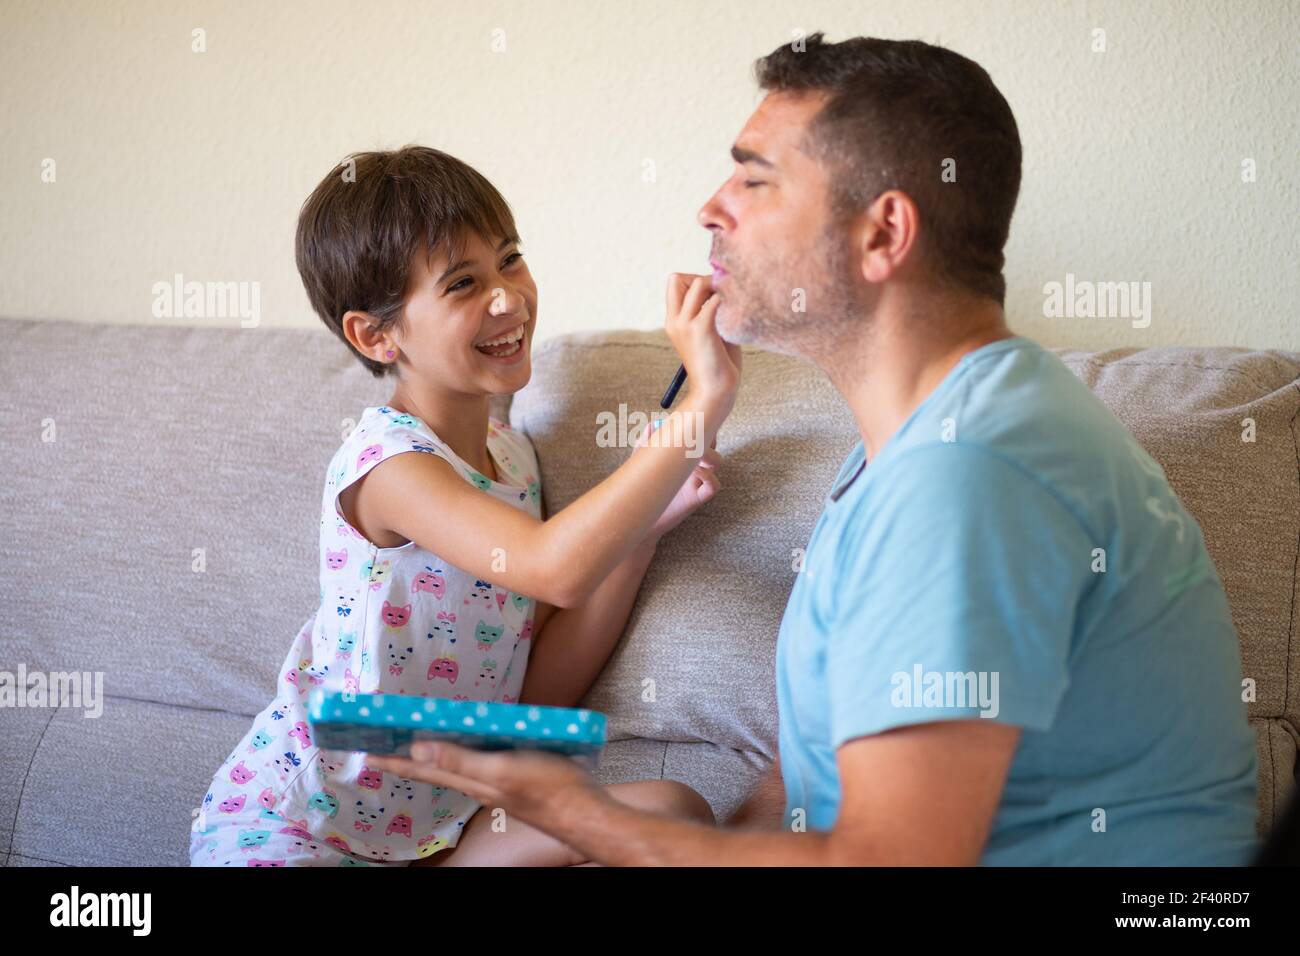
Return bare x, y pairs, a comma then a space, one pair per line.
902, 355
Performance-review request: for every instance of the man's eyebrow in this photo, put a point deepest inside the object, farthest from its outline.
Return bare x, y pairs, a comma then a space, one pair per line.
742, 156
456, 267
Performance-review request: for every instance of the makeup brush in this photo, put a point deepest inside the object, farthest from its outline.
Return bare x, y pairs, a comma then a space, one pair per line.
674, 387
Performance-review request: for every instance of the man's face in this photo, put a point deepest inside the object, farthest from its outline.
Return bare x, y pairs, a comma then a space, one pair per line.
455, 308
783, 269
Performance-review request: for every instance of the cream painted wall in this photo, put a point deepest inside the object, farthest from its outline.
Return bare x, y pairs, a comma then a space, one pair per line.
170, 161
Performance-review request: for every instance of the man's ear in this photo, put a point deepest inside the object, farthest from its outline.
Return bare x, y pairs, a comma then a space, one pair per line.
363, 332
887, 234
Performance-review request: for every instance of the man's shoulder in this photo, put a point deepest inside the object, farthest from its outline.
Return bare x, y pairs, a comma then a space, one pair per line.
938, 482
1018, 411
1015, 402
1012, 431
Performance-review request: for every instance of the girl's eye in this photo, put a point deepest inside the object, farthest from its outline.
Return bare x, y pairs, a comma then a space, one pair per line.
463, 283
751, 183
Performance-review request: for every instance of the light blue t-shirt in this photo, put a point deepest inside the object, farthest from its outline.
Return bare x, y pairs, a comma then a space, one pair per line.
1012, 551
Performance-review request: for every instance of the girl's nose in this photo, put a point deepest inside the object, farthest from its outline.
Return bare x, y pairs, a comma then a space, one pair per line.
505, 301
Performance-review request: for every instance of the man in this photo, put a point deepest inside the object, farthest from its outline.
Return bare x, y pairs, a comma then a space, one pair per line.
1008, 645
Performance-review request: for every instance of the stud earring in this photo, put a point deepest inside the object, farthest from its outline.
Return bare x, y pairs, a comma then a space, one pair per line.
390, 353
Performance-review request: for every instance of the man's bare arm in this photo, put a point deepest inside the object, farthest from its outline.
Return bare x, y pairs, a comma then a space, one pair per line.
919, 795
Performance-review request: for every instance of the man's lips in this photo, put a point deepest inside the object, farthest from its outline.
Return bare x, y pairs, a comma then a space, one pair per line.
719, 273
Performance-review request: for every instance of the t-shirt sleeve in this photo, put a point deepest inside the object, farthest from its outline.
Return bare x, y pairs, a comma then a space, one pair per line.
383, 438
520, 447
959, 579
521, 464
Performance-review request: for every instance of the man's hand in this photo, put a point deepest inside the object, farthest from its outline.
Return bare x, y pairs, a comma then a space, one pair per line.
922, 795
530, 786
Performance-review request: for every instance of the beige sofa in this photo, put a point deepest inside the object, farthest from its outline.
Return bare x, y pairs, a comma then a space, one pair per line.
170, 440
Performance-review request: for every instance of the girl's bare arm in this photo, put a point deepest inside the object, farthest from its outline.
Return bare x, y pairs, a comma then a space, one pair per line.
572, 645
562, 560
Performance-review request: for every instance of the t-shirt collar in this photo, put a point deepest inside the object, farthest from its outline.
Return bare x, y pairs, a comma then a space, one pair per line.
953, 374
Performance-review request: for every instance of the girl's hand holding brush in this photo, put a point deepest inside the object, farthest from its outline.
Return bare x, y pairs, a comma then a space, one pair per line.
713, 365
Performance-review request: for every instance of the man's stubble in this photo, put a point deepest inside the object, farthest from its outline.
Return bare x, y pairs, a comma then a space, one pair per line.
810, 308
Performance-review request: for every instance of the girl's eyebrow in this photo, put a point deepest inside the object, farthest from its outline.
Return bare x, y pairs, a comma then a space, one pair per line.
508, 240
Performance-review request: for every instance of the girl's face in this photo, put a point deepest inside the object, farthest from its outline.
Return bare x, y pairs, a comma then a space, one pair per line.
456, 309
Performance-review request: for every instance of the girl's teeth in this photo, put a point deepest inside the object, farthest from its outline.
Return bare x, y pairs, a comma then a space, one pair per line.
505, 345
502, 351
508, 337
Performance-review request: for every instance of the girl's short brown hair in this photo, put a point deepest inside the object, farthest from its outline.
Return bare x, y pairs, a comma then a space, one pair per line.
360, 228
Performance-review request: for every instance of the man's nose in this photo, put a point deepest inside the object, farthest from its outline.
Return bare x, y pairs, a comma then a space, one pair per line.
712, 216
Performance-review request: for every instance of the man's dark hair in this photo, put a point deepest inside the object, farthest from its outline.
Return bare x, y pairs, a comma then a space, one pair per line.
896, 111
361, 226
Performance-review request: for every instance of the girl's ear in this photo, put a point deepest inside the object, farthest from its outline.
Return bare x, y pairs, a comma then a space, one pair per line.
363, 332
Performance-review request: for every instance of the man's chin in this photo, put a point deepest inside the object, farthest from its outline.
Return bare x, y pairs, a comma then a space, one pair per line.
742, 330
731, 325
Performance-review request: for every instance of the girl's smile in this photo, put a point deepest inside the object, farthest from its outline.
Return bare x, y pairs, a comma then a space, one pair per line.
507, 348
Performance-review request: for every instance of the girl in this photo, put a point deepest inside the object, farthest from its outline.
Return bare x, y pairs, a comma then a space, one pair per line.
438, 575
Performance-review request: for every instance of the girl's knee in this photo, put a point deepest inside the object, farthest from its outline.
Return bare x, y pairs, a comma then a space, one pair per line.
690, 803
671, 797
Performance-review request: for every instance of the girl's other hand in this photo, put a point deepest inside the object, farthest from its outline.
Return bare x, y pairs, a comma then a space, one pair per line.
699, 488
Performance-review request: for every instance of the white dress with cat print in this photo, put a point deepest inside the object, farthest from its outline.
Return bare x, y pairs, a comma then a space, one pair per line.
396, 620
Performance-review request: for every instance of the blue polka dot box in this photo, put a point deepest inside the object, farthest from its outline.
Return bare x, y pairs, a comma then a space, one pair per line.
389, 723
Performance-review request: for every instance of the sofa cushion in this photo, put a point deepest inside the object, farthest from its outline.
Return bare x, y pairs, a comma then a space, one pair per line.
169, 441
